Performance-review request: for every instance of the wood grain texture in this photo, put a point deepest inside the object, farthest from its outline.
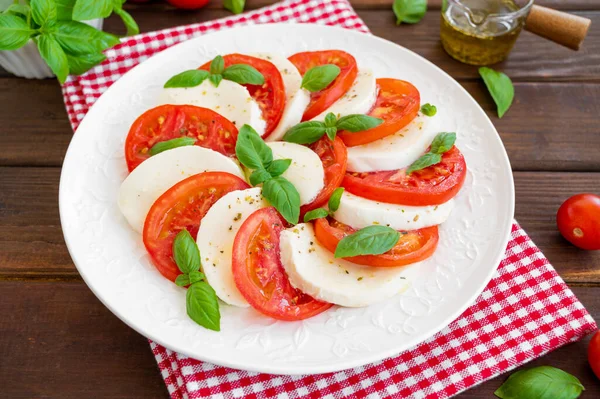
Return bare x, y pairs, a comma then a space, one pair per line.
32, 245
549, 127
63, 343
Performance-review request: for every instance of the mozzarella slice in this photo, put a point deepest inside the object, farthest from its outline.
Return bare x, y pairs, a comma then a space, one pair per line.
215, 240
230, 99
160, 172
306, 171
358, 212
315, 271
395, 151
297, 99
358, 100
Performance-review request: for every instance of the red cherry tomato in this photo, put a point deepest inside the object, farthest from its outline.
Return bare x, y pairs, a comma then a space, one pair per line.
578, 220
188, 4
594, 353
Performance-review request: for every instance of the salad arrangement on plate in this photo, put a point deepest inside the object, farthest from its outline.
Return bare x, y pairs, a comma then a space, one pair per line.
288, 184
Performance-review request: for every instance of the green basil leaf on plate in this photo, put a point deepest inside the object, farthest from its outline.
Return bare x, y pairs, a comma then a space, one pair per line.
543, 382
331, 132
217, 65
424, 161
243, 74
195, 276
215, 79
251, 150
371, 240
334, 200
44, 12
54, 56
202, 306
186, 253
182, 280
358, 123
428, 109
330, 120
305, 132
443, 142
279, 166
191, 78
85, 10
14, 32
259, 176
409, 11
79, 64
319, 77
170, 144
315, 214
284, 197
235, 6
500, 87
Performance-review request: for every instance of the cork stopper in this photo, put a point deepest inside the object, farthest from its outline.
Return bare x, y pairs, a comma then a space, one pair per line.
566, 29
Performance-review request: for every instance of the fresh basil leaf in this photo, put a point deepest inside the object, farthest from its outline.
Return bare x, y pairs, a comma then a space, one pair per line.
243, 74
371, 240
334, 200
18, 9
170, 144
251, 150
331, 132
85, 10
195, 276
259, 176
64, 9
409, 11
284, 197
128, 21
443, 142
319, 77
543, 382
185, 252
182, 280
191, 78
358, 123
14, 32
202, 306
235, 6
330, 120
428, 109
500, 87
77, 38
315, 214
217, 65
215, 79
279, 166
80, 64
54, 56
305, 132
424, 161
44, 12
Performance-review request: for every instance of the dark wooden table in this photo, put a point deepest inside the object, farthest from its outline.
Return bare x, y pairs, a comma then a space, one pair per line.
57, 340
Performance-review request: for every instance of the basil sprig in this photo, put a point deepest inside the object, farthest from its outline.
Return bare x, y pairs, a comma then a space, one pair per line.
442, 143
319, 77
235, 6
311, 131
543, 382
66, 45
333, 205
371, 240
201, 300
170, 144
409, 11
428, 109
500, 87
238, 73
256, 155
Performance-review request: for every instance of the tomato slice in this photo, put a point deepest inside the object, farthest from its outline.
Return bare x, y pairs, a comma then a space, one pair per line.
270, 96
167, 122
258, 272
323, 99
398, 103
413, 246
430, 186
182, 207
334, 157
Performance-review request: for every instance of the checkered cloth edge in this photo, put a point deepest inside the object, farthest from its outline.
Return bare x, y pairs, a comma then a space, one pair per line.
525, 311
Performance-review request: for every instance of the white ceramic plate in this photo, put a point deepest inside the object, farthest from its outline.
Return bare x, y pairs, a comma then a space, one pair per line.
113, 262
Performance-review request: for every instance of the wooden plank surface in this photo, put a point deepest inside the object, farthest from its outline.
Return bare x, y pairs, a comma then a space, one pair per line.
533, 140
63, 343
31, 241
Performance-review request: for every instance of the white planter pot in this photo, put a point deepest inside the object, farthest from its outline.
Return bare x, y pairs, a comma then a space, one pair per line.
27, 62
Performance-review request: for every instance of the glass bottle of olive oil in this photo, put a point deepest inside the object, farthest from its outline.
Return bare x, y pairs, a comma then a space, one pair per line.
481, 32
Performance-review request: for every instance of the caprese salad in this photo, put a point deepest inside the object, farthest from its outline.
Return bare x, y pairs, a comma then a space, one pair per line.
288, 184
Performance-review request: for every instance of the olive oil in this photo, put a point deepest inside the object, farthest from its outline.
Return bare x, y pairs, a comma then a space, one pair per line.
480, 32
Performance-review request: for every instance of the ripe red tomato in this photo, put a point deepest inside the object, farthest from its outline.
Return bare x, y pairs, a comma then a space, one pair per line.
594, 353
578, 220
188, 4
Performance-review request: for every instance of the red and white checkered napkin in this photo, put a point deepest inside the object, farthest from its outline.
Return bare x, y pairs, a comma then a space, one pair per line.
525, 311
